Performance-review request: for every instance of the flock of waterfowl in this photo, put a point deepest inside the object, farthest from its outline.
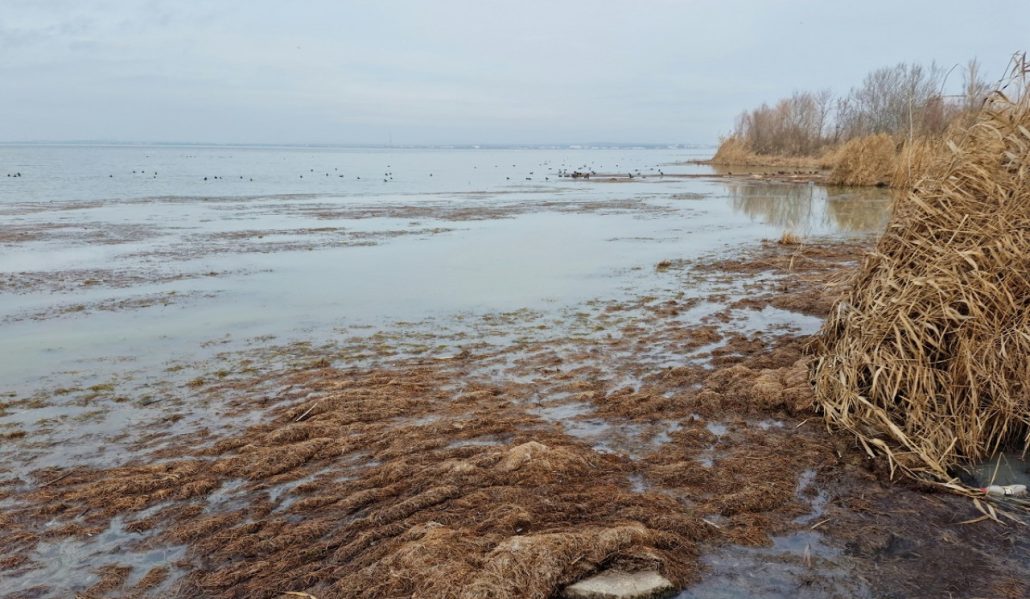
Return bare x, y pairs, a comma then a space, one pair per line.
563, 171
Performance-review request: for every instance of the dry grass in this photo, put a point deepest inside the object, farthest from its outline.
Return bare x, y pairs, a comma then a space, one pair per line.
789, 238
865, 160
915, 160
734, 152
873, 160
925, 359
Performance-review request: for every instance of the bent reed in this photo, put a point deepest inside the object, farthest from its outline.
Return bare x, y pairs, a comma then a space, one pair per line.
924, 359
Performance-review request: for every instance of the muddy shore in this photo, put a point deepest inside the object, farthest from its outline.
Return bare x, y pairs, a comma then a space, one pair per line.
510, 458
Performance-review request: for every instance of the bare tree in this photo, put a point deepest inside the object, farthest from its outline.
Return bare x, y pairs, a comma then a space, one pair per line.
794, 126
905, 100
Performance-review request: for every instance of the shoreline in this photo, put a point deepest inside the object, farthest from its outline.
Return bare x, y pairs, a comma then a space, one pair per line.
743, 173
576, 443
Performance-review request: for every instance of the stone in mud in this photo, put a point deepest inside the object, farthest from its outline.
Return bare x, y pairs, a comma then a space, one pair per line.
621, 585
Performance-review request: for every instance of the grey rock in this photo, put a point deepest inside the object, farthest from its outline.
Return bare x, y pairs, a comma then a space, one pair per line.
614, 584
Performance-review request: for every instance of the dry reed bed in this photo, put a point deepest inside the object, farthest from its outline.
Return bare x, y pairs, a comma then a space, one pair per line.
868, 160
733, 152
374, 501
925, 359
873, 160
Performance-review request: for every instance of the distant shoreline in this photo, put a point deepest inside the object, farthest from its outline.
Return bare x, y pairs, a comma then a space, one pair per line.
567, 146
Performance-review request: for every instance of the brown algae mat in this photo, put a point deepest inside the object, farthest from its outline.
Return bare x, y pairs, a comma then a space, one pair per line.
515, 469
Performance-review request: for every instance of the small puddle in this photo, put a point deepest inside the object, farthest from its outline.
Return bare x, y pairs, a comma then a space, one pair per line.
1003, 469
225, 498
634, 439
717, 428
770, 318
769, 423
482, 442
276, 493
637, 484
563, 413
817, 502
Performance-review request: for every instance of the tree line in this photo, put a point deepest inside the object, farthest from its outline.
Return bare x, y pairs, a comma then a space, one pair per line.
905, 100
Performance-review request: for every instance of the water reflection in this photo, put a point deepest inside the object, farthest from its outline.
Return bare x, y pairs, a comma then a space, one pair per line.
812, 209
859, 208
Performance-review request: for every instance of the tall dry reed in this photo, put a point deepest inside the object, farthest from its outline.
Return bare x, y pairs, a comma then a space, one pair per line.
927, 357
732, 151
865, 160
915, 159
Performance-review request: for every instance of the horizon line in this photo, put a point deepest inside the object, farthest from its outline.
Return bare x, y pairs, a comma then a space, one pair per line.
513, 145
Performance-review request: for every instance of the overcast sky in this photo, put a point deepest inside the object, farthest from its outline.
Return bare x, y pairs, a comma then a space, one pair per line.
437, 72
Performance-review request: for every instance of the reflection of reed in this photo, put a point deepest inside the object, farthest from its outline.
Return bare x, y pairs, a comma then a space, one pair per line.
860, 209
788, 206
804, 207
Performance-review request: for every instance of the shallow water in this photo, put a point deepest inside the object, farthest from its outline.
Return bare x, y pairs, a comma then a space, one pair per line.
798, 564
115, 292
99, 264
1003, 469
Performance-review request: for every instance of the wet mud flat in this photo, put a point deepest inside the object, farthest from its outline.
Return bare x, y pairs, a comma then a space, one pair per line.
506, 454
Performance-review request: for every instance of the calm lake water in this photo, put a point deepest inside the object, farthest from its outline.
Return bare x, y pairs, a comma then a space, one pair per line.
118, 257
